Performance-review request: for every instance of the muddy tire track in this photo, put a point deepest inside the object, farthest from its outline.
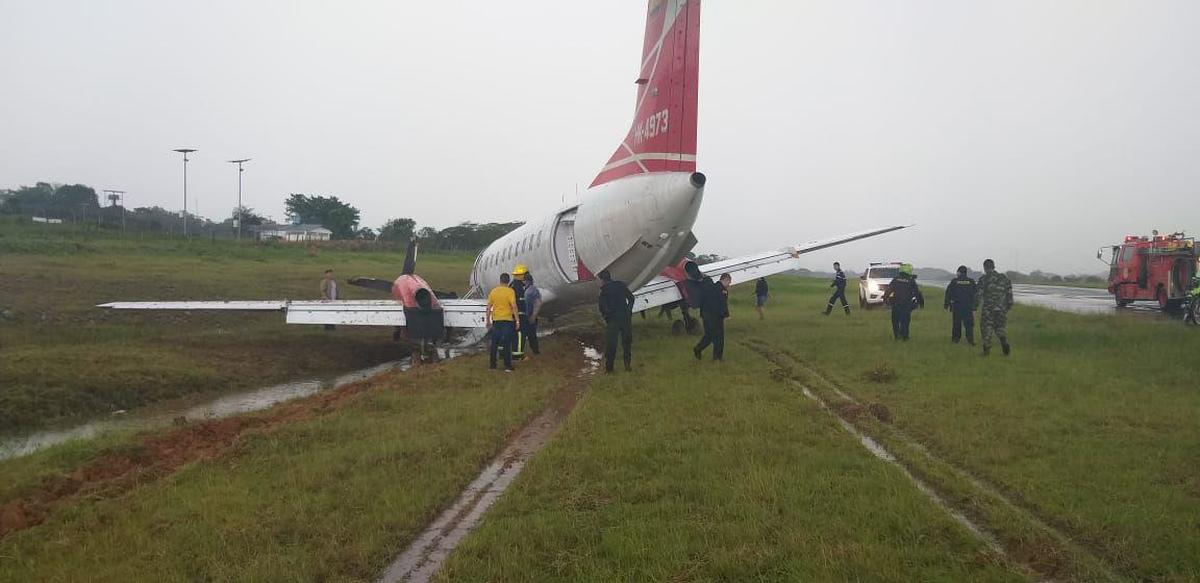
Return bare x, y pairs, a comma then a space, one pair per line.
424, 557
1055, 553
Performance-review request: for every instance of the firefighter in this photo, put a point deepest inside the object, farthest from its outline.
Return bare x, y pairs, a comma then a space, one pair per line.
518, 287
904, 296
839, 282
1193, 301
994, 300
960, 301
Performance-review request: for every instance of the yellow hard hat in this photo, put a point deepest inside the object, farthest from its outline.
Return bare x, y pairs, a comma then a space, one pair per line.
520, 270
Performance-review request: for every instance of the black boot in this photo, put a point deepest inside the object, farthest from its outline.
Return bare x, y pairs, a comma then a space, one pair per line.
1006, 348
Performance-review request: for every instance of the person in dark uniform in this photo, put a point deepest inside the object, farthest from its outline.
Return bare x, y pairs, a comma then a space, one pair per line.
533, 306
694, 287
960, 301
839, 283
616, 306
714, 308
904, 296
760, 295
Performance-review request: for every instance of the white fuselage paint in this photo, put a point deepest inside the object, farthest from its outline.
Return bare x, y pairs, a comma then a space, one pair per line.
633, 227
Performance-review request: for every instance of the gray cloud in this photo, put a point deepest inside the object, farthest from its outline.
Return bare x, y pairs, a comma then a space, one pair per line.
1031, 132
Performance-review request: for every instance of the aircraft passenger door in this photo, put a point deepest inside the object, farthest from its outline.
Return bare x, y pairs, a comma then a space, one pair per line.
564, 246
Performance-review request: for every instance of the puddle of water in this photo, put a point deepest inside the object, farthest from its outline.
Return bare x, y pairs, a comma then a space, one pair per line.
425, 556
224, 406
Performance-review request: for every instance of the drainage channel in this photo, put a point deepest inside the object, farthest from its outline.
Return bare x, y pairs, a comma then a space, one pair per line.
164, 415
425, 556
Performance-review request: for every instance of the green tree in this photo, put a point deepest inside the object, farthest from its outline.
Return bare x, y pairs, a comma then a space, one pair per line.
326, 211
249, 217
29, 200
397, 230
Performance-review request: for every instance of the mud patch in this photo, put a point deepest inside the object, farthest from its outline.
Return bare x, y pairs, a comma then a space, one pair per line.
882, 373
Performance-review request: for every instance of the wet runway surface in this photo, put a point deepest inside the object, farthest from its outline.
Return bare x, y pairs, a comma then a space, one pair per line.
1079, 300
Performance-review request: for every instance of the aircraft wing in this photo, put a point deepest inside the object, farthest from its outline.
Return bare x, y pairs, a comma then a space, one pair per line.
662, 290
458, 313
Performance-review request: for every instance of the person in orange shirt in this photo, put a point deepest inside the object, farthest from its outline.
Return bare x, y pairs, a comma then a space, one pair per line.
502, 321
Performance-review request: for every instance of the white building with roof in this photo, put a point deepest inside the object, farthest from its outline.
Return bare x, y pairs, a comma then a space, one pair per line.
294, 233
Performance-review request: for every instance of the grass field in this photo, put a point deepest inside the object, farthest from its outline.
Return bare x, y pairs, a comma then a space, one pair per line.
62, 358
1079, 453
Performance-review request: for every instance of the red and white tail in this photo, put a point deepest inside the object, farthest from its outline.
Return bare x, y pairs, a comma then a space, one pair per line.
663, 136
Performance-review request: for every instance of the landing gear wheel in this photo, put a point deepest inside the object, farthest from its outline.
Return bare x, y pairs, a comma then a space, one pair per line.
677, 328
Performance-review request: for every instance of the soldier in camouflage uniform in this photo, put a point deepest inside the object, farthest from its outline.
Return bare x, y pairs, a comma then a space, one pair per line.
994, 300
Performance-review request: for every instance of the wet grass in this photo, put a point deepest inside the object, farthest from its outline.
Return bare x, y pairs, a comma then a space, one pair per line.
334, 496
63, 359
696, 472
699, 471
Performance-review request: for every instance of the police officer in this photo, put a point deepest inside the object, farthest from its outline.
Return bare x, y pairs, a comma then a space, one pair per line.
960, 301
616, 306
994, 300
839, 283
714, 308
904, 296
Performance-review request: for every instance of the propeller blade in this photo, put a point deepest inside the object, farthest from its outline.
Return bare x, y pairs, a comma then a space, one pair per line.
372, 283
410, 258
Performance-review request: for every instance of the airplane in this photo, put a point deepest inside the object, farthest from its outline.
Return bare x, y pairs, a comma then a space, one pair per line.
635, 219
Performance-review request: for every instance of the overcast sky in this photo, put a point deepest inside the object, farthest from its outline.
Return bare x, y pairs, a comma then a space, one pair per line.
1029, 131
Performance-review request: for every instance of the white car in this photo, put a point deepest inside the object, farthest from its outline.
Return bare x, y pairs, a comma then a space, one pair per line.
874, 283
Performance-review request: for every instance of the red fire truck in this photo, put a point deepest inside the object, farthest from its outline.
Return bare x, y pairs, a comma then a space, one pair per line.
1157, 268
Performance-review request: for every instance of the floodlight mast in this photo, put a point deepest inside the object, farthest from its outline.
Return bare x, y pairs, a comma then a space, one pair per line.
239, 205
185, 152
112, 196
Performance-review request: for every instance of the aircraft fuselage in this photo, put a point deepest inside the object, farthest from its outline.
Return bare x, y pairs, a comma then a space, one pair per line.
633, 227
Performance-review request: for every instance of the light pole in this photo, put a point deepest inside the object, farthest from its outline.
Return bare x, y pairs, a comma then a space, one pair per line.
239, 206
185, 152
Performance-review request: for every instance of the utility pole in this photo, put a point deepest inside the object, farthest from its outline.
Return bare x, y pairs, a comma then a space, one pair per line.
185, 152
238, 219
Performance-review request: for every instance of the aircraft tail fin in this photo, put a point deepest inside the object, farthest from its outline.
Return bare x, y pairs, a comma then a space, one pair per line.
662, 137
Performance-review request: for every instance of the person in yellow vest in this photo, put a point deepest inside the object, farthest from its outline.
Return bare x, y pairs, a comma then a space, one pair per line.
502, 321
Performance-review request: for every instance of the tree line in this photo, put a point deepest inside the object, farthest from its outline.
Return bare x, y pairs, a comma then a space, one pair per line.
79, 203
